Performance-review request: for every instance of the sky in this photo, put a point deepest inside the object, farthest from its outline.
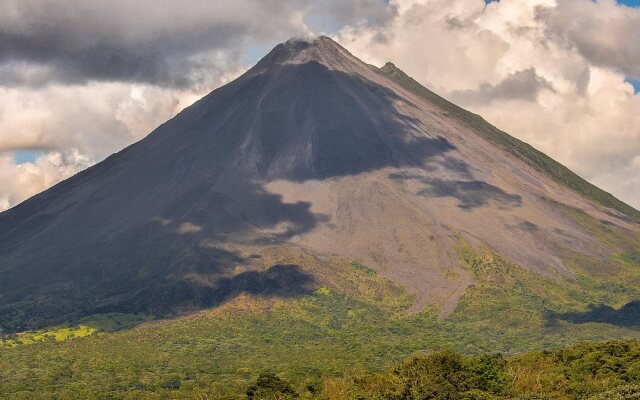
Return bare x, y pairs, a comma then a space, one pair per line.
81, 79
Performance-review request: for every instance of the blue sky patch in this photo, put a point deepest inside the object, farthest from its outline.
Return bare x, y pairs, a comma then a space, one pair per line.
26, 156
635, 83
630, 3
255, 52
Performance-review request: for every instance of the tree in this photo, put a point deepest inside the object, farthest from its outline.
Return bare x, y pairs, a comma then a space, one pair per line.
269, 386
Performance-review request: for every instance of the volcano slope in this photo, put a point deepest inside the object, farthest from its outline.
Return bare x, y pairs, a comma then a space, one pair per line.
316, 174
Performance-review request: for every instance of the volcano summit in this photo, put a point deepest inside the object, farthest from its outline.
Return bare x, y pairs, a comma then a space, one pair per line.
311, 153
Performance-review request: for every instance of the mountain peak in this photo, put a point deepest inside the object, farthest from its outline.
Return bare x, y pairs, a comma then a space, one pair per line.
320, 44
320, 49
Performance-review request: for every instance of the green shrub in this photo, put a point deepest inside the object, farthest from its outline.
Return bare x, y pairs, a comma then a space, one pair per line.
441, 375
629, 392
269, 386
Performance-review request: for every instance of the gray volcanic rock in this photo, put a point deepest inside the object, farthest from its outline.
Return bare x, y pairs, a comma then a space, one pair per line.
309, 149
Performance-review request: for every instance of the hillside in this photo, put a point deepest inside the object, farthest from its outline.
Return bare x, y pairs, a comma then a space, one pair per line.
316, 217
326, 338
310, 150
536, 159
354, 325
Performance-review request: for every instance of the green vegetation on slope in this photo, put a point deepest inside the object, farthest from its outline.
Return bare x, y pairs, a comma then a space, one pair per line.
109, 322
535, 158
631, 258
608, 371
57, 334
352, 324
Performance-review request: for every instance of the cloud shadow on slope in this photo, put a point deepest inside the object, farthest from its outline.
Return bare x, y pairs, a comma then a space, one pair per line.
627, 316
470, 194
282, 280
195, 291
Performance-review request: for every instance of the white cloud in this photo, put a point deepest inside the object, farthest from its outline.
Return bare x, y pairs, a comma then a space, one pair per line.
4, 203
76, 126
604, 32
163, 42
579, 110
97, 118
18, 182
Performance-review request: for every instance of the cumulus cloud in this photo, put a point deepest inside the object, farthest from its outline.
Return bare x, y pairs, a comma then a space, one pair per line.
161, 42
76, 126
551, 73
604, 32
96, 119
521, 85
19, 182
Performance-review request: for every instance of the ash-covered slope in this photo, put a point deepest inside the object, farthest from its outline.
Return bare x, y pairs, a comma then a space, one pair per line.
310, 149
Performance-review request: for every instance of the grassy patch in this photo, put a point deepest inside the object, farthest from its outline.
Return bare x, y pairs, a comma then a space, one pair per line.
632, 258
363, 268
605, 233
109, 322
58, 334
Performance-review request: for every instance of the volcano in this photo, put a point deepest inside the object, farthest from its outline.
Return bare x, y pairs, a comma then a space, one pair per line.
310, 151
